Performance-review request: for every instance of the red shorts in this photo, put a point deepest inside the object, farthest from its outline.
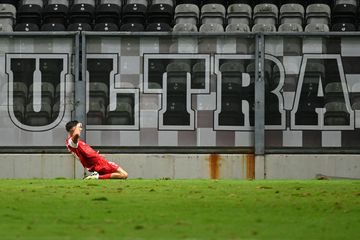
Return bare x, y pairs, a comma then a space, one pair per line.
106, 167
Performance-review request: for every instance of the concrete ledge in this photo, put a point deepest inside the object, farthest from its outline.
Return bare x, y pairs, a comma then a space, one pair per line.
188, 166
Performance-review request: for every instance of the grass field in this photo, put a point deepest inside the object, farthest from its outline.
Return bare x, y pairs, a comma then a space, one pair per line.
179, 209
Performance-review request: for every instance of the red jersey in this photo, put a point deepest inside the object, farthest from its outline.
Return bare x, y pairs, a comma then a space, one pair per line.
88, 157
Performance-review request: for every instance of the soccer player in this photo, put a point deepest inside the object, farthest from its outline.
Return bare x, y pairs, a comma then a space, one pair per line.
89, 158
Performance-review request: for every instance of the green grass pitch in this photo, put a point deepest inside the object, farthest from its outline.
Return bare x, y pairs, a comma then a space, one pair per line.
179, 209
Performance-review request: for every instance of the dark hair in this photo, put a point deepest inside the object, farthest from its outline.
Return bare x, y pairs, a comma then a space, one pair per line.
70, 125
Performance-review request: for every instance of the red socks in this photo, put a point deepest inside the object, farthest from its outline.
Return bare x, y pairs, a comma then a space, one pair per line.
105, 176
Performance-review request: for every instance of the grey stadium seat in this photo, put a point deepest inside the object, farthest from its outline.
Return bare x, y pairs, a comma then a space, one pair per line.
185, 27
292, 13
318, 13
89, 2
99, 91
59, 2
211, 28
7, 14
47, 92
317, 27
123, 114
266, 14
187, 13
41, 118
336, 114
96, 113
239, 13
20, 92
6, 27
213, 13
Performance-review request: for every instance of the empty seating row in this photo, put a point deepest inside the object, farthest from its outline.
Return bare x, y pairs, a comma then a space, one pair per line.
160, 15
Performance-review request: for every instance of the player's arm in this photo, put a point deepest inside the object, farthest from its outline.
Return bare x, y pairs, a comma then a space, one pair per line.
76, 134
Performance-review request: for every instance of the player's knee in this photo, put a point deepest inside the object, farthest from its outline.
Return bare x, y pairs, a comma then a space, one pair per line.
125, 175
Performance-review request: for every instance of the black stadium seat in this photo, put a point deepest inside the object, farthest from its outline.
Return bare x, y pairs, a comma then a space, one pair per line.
134, 13
343, 27
108, 13
55, 13
30, 13
53, 27
158, 27
79, 27
160, 13
26, 27
132, 27
108, 27
81, 13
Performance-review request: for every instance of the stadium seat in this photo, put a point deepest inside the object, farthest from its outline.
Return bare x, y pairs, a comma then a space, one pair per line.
176, 79
187, 13
81, 13
160, 13
168, 2
19, 110
47, 92
26, 27
176, 113
237, 27
265, 18
41, 118
213, 14
79, 27
336, 114
156, 71
132, 27
158, 27
55, 13
106, 27
198, 76
334, 92
185, 27
123, 114
59, 2
239, 13
30, 12
96, 113
344, 11
231, 72
55, 110
99, 92
343, 27
6, 27
7, 14
318, 14
134, 11
231, 112
20, 93
87, 2
53, 27
12, 2
242, 44
292, 13
108, 13
317, 27
211, 28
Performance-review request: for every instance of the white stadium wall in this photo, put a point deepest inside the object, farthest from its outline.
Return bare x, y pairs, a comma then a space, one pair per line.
187, 166
185, 105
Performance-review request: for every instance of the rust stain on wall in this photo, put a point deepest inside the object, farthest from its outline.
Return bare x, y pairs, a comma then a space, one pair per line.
250, 166
214, 166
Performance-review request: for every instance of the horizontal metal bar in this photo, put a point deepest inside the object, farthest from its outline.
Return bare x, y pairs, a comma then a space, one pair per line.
43, 34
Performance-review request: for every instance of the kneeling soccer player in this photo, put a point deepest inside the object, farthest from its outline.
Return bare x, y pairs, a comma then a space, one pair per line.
89, 158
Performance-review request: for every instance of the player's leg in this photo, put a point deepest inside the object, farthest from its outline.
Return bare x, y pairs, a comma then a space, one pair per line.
110, 170
120, 174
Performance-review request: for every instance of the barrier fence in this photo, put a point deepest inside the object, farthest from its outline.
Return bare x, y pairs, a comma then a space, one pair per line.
160, 92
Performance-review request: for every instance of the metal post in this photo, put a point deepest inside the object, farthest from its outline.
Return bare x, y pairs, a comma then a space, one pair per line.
80, 83
260, 169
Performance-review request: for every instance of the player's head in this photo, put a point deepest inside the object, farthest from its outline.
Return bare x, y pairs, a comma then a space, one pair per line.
70, 125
